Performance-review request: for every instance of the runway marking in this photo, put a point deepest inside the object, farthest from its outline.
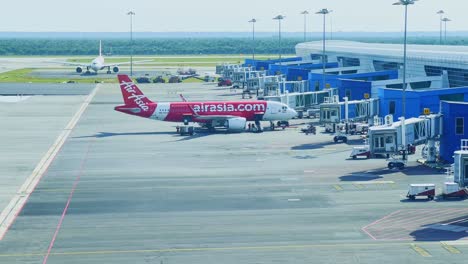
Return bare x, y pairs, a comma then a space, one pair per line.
200, 249
70, 196
338, 187
16, 204
294, 200
421, 251
359, 186
450, 248
373, 182
364, 229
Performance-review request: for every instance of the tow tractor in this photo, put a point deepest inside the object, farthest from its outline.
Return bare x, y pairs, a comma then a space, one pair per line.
396, 162
340, 136
400, 159
309, 129
185, 130
282, 124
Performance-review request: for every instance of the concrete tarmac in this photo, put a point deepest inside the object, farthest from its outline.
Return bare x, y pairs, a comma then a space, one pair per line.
129, 190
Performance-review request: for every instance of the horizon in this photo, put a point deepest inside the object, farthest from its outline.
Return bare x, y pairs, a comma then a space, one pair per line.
347, 16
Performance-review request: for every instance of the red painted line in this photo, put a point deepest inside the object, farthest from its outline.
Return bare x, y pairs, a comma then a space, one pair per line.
423, 216
364, 229
29, 194
59, 225
87, 101
381, 219
369, 234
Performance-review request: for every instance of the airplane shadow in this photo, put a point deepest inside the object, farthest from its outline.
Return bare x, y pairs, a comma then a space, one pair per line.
111, 134
443, 230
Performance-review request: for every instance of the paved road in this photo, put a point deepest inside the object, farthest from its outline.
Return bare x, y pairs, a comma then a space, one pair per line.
129, 190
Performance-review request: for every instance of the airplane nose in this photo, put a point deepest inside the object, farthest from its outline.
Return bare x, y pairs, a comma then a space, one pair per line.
293, 113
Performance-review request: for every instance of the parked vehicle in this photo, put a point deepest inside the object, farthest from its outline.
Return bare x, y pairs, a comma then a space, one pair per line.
360, 151
224, 82
309, 129
159, 79
143, 80
453, 190
424, 189
175, 79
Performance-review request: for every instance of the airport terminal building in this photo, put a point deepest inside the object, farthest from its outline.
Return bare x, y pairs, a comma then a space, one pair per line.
423, 60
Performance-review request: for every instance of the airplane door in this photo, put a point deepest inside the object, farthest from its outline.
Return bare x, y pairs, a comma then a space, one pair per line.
273, 109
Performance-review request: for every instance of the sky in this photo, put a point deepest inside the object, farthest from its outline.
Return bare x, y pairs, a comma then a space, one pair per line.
225, 16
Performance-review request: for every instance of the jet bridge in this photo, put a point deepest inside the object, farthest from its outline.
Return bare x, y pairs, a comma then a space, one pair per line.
388, 139
332, 111
228, 70
461, 165
241, 76
264, 85
302, 101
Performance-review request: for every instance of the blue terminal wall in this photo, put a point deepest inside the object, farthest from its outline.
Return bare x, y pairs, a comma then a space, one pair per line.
316, 79
301, 72
353, 89
273, 69
261, 65
416, 101
450, 141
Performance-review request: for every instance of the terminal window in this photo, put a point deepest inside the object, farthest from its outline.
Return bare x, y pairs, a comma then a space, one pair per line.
386, 65
457, 77
349, 62
459, 126
391, 108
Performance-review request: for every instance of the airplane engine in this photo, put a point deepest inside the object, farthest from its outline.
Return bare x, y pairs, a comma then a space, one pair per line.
235, 124
115, 69
79, 69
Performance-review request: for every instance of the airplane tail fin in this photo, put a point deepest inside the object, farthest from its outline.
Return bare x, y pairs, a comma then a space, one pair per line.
132, 95
100, 48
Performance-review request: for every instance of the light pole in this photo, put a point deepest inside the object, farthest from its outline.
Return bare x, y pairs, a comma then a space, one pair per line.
323, 12
403, 99
445, 20
253, 21
131, 14
279, 18
440, 13
305, 13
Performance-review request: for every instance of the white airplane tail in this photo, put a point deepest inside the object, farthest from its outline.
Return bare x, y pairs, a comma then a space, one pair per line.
100, 48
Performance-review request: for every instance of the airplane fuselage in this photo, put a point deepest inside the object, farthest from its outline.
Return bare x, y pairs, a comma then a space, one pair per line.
232, 115
178, 111
97, 64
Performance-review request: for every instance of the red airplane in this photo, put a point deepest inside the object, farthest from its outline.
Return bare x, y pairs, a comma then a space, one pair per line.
232, 115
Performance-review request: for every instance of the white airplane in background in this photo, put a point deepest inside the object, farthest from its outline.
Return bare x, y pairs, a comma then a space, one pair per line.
98, 64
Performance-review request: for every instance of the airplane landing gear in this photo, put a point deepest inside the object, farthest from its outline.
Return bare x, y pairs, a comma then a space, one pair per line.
258, 126
272, 125
108, 70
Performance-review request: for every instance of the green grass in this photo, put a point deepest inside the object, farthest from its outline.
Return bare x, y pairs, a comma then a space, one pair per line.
208, 60
24, 76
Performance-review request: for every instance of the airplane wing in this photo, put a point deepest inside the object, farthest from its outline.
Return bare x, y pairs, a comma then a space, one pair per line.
214, 117
183, 98
72, 63
125, 63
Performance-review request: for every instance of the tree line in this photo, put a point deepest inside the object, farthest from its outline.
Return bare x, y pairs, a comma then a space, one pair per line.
177, 46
